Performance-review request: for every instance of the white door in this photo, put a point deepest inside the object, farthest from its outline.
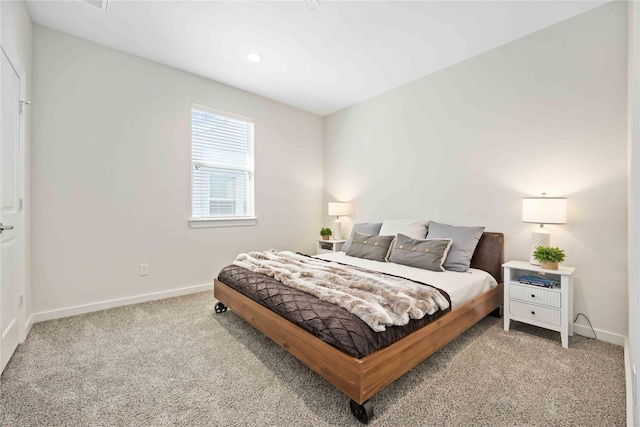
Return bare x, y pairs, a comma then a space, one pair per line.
10, 251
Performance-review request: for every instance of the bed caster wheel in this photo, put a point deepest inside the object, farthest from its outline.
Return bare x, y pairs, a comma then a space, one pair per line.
220, 307
364, 412
497, 312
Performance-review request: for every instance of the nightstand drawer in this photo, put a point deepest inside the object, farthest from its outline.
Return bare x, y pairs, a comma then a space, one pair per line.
538, 295
535, 312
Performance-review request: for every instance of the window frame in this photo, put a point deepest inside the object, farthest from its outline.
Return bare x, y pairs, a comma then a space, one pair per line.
232, 221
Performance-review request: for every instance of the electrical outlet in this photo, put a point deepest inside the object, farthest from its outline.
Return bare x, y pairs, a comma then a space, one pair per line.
144, 269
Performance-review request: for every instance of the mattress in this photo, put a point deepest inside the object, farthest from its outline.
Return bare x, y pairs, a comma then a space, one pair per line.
335, 325
461, 287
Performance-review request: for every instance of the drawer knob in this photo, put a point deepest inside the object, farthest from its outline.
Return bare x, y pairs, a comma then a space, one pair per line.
533, 295
533, 312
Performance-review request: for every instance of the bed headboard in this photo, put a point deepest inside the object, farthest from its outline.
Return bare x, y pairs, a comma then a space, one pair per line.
489, 254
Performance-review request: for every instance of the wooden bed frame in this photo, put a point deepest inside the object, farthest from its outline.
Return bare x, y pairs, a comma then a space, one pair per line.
361, 378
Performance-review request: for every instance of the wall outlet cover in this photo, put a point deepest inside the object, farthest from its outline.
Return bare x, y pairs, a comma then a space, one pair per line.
144, 269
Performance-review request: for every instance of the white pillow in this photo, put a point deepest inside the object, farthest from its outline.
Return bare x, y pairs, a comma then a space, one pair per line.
416, 229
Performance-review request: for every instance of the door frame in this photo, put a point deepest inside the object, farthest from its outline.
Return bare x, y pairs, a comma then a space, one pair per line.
23, 328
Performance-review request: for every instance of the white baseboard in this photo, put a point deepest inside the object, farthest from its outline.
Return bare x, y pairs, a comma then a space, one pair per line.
629, 382
88, 308
586, 331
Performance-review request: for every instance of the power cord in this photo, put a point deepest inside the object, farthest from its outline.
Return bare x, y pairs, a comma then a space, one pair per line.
592, 330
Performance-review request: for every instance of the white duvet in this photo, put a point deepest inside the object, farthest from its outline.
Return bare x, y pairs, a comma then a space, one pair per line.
461, 287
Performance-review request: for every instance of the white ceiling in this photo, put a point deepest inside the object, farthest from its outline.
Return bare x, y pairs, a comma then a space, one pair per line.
320, 60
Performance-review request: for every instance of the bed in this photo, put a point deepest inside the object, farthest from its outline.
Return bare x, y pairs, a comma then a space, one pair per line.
358, 373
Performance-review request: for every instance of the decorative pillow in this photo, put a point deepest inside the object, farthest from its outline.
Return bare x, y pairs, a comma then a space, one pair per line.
425, 254
370, 246
415, 229
465, 240
362, 227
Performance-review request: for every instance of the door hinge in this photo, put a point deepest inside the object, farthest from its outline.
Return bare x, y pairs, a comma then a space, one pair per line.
634, 384
20, 204
21, 301
22, 103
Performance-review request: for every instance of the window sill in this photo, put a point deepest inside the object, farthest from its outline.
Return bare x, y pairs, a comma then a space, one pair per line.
222, 222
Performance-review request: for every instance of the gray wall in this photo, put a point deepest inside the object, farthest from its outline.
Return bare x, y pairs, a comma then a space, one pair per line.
112, 176
545, 113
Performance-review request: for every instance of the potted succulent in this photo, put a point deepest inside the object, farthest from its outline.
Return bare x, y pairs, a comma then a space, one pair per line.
549, 257
325, 233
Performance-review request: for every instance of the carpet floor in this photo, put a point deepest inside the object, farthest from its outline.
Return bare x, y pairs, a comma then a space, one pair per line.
175, 363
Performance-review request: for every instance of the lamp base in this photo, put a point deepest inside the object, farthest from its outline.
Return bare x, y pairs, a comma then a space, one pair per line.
540, 237
336, 230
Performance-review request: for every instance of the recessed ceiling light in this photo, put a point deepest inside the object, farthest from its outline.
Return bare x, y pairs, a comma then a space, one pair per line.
253, 57
312, 4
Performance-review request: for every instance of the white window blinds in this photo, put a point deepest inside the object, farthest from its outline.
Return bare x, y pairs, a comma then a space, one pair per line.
221, 163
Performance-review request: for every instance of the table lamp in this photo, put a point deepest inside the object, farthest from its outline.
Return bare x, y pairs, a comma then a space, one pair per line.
543, 210
338, 209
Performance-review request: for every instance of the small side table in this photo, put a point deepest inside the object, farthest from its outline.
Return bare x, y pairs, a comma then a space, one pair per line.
328, 246
550, 308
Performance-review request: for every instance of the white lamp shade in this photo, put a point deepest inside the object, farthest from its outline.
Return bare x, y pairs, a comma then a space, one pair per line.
338, 208
544, 210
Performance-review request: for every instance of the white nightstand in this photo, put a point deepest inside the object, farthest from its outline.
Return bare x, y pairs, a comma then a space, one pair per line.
550, 308
327, 246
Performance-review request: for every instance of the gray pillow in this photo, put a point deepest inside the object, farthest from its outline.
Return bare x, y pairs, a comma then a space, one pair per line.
465, 240
425, 254
370, 246
362, 227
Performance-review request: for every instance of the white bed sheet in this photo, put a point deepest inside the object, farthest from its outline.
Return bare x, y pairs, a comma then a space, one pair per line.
461, 287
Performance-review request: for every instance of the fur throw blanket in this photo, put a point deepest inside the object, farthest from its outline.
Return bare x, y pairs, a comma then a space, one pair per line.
378, 299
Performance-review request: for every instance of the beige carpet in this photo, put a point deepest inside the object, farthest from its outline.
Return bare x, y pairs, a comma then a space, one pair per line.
172, 362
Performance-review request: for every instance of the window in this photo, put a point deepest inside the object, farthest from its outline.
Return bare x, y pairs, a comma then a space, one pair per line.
221, 167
